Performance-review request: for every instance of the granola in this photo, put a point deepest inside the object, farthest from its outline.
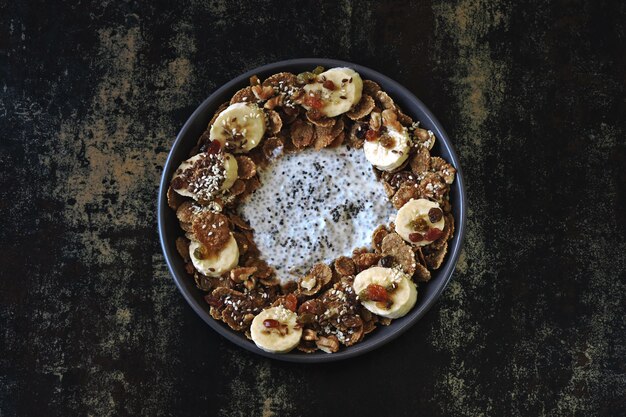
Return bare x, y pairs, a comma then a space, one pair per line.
332, 304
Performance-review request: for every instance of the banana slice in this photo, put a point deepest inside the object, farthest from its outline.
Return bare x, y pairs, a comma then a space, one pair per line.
414, 224
390, 150
339, 89
276, 330
204, 175
401, 291
240, 127
215, 265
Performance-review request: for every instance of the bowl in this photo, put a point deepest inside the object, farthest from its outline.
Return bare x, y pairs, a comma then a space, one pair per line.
169, 228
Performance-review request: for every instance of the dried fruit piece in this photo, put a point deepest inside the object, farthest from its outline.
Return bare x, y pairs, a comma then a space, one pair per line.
291, 302
357, 135
329, 85
416, 237
271, 323
386, 261
435, 214
374, 292
433, 234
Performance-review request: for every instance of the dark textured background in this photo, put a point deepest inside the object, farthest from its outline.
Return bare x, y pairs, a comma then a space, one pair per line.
532, 95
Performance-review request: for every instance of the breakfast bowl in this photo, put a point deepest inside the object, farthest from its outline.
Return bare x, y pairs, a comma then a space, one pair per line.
169, 230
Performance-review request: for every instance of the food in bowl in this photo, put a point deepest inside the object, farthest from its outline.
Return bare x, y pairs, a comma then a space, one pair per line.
333, 304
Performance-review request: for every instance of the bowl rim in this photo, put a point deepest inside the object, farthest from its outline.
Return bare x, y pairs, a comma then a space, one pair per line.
444, 274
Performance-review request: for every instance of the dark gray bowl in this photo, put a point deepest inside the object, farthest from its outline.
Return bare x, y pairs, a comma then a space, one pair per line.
169, 229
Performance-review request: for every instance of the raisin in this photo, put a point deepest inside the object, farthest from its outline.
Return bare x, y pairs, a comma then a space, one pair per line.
416, 237
435, 214
433, 234
271, 323
291, 302
360, 132
419, 225
386, 261
375, 292
371, 135
313, 101
329, 85
214, 147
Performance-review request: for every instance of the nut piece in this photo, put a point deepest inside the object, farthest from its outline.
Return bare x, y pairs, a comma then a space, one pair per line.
319, 276
244, 275
329, 344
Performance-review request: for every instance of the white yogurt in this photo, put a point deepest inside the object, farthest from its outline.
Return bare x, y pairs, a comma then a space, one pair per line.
314, 206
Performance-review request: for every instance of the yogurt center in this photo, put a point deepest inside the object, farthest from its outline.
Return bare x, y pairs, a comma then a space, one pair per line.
314, 206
